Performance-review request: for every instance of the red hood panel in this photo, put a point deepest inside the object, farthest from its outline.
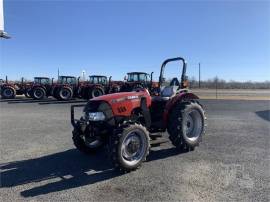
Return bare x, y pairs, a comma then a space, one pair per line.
124, 103
115, 96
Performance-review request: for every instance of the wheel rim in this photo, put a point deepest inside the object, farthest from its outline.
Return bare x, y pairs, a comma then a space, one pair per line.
8, 92
193, 125
65, 93
38, 93
133, 147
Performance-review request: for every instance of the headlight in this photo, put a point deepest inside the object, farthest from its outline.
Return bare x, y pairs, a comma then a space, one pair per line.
95, 116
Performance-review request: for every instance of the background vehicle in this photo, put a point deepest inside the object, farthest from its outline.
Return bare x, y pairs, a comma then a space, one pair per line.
136, 80
98, 85
126, 121
65, 88
40, 88
9, 90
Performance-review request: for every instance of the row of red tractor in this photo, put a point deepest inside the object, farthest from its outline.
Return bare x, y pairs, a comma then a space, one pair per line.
68, 87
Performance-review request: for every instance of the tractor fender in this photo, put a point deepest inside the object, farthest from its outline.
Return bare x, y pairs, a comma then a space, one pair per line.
181, 97
8, 85
38, 86
96, 86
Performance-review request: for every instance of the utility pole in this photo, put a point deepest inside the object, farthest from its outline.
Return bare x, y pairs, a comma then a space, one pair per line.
199, 75
216, 86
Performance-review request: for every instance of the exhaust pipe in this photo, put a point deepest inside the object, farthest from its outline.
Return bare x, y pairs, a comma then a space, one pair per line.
110, 79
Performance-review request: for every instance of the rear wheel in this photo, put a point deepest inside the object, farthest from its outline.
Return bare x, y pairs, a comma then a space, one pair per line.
186, 125
38, 93
96, 92
8, 93
65, 93
129, 147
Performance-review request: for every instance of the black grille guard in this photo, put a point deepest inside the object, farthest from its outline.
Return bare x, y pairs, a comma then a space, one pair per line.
73, 120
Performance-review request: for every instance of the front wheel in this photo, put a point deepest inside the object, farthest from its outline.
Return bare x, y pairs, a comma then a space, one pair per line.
65, 93
84, 144
186, 125
129, 147
39, 93
96, 92
8, 93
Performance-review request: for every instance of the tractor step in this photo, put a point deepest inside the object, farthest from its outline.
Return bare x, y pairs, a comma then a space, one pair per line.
158, 142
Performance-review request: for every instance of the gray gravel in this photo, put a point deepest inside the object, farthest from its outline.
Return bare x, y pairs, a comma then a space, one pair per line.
39, 162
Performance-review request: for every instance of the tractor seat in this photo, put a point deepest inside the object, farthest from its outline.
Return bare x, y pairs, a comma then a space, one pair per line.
166, 93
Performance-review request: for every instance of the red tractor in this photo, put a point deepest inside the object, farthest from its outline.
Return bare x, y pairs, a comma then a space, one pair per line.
66, 88
126, 121
9, 90
97, 86
41, 88
136, 80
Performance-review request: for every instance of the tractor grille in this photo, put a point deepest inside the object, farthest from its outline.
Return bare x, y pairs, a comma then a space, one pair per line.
101, 106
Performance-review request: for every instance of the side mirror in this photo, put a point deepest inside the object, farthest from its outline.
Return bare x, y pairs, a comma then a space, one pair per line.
125, 78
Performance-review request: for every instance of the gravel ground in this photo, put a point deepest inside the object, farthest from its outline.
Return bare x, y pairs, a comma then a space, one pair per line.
40, 163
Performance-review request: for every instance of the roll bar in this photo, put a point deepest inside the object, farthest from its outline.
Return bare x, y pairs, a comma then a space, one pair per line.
151, 78
172, 60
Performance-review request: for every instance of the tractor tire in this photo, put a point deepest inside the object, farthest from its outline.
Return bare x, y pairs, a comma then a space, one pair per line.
65, 93
96, 92
38, 93
129, 147
8, 93
186, 125
27, 93
83, 146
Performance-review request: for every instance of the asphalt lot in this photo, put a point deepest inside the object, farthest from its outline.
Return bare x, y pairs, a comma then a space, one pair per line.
39, 162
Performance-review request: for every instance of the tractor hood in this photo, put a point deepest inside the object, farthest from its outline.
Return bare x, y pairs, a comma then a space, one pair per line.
122, 104
118, 97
